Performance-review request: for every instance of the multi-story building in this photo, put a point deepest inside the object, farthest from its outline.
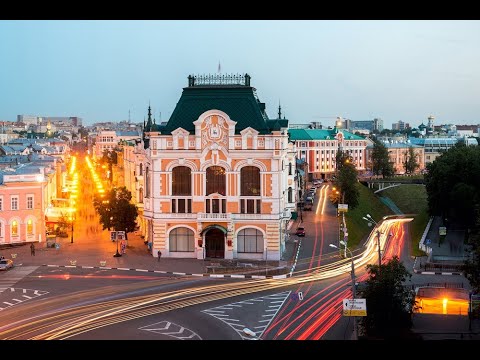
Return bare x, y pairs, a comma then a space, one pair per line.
318, 148
109, 139
398, 152
23, 200
371, 125
133, 159
217, 175
433, 146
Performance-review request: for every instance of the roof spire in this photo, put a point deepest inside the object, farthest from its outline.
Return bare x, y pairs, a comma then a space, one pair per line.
279, 110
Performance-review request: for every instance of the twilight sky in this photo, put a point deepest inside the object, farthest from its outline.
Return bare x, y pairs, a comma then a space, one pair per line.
99, 70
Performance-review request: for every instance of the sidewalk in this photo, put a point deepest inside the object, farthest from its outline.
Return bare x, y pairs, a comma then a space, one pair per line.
94, 253
445, 255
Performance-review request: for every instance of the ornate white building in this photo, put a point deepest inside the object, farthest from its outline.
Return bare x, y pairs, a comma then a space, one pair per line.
219, 176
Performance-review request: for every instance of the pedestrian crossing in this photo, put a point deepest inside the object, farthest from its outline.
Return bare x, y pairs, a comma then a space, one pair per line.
12, 276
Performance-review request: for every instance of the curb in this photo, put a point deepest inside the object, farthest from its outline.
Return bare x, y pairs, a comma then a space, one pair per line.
232, 276
435, 273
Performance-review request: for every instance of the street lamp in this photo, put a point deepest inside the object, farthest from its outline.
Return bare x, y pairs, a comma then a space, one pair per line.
355, 337
369, 218
117, 254
71, 239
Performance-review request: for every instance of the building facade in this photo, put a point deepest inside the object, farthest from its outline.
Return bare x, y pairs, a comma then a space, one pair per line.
318, 148
217, 180
397, 153
22, 204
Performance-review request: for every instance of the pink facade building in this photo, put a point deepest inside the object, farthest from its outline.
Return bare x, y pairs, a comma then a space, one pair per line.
24, 194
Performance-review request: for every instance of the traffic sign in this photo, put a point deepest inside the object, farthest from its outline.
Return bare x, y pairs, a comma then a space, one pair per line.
442, 230
354, 307
342, 207
120, 235
113, 235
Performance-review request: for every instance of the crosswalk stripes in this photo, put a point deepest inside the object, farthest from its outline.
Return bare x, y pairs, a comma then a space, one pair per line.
270, 305
12, 276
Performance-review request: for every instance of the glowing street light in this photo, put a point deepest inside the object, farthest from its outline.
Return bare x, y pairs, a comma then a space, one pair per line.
369, 218
353, 283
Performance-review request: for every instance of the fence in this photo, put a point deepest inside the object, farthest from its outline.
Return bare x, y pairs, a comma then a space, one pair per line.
421, 244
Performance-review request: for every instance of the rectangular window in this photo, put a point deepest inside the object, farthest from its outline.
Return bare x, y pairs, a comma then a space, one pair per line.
30, 227
207, 207
1, 204
14, 203
250, 206
215, 206
30, 202
182, 206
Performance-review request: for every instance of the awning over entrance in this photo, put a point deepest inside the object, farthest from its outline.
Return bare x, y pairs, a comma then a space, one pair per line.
209, 227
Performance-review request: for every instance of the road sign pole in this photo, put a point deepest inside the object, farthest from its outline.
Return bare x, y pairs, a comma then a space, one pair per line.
355, 335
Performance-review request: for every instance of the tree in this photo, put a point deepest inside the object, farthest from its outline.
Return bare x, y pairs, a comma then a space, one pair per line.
453, 185
471, 268
346, 180
381, 164
410, 164
116, 211
389, 303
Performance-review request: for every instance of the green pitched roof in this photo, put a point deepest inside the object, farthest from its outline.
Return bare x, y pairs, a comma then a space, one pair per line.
316, 134
239, 102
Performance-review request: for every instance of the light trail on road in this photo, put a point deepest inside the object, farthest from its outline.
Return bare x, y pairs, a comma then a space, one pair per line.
65, 318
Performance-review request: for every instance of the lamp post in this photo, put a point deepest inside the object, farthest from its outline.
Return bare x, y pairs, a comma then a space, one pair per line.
117, 254
71, 239
369, 218
352, 274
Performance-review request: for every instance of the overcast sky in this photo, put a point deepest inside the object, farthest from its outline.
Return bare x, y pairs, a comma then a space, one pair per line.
99, 70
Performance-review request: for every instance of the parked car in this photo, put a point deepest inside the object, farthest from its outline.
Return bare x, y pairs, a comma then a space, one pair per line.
300, 231
308, 206
6, 264
309, 199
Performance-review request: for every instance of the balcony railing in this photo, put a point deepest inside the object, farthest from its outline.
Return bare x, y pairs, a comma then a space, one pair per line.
214, 216
256, 216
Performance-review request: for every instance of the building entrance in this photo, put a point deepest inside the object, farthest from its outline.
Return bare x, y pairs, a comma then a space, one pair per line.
215, 244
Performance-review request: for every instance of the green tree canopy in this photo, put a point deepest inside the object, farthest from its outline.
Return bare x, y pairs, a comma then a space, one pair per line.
389, 303
410, 164
381, 164
453, 184
347, 180
116, 211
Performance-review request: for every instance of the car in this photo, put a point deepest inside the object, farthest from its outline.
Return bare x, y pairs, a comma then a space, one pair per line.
300, 231
6, 264
309, 199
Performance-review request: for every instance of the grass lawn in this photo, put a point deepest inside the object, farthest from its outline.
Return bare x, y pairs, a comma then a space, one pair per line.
411, 199
368, 204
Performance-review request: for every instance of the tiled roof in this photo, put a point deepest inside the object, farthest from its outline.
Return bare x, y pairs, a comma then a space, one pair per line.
317, 134
238, 102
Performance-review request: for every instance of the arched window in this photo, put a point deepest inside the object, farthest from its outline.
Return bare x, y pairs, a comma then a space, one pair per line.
140, 170
29, 227
147, 182
14, 228
140, 195
182, 240
250, 181
290, 169
250, 241
216, 180
290, 195
181, 181
2, 231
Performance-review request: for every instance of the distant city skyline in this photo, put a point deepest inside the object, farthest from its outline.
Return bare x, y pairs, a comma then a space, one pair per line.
317, 70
